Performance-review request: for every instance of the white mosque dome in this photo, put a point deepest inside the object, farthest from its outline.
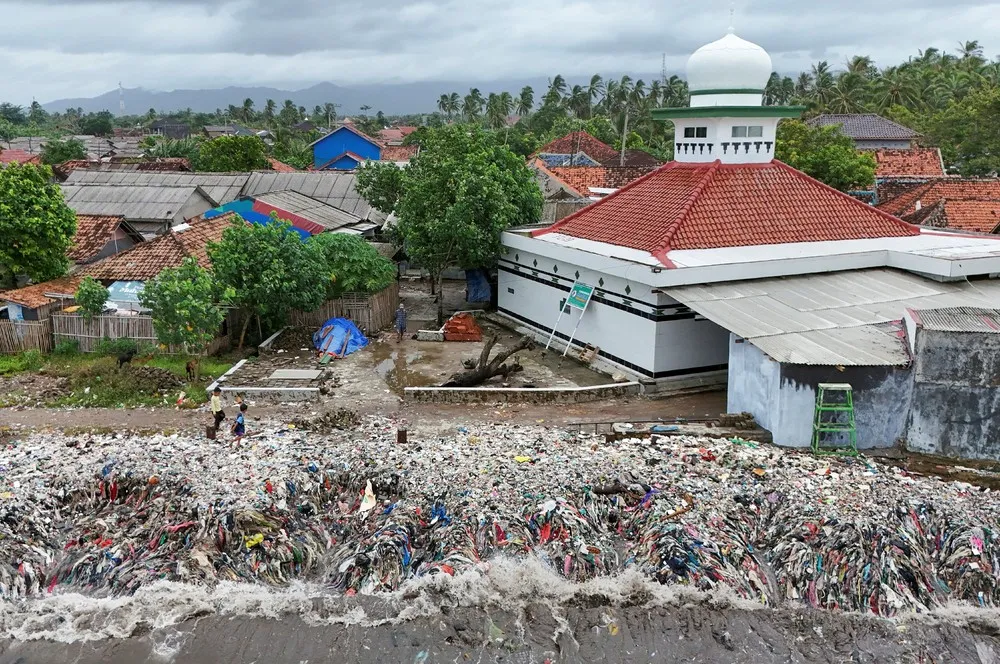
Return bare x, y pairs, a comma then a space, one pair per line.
728, 64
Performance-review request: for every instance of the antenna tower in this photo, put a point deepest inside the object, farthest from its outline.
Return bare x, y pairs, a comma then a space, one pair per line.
663, 70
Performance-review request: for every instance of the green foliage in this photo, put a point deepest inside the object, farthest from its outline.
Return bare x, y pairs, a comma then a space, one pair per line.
825, 154
32, 210
599, 127
66, 347
8, 132
184, 306
98, 124
968, 133
58, 151
13, 113
91, 296
269, 270
29, 360
380, 183
232, 153
161, 147
459, 194
355, 264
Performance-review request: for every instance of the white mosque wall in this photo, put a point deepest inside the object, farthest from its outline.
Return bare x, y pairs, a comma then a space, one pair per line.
643, 331
719, 142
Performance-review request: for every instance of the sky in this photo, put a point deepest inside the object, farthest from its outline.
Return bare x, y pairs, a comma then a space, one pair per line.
54, 49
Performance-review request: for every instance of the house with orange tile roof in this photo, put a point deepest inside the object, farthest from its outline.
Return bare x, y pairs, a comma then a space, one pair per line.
8, 156
727, 266
970, 205
99, 236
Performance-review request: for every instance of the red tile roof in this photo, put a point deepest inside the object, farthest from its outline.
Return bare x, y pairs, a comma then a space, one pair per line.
399, 152
918, 162
580, 141
33, 296
978, 216
18, 157
539, 166
706, 206
93, 232
582, 178
934, 190
395, 134
281, 167
146, 260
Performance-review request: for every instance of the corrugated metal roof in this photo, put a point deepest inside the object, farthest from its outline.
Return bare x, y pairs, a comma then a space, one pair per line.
867, 345
961, 319
789, 306
159, 203
327, 216
332, 188
222, 187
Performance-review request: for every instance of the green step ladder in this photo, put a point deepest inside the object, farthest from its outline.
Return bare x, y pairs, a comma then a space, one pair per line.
834, 431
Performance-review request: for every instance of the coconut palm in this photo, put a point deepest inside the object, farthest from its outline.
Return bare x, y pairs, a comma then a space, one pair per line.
472, 105
595, 90
557, 88
862, 65
822, 83
247, 111
848, 94
525, 101
443, 106
578, 101
895, 86
270, 108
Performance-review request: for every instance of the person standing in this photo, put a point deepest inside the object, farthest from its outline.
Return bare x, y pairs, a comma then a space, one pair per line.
240, 426
217, 413
400, 322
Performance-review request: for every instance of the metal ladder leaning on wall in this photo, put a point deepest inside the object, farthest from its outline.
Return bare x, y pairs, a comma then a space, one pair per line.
834, 418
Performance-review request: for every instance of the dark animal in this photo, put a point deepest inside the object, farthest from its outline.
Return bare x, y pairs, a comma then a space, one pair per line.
125, 358
192, 370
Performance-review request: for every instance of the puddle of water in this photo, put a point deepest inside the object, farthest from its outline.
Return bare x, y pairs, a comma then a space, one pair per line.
396, 366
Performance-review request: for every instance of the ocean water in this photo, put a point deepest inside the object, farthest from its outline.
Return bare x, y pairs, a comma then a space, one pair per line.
505, 611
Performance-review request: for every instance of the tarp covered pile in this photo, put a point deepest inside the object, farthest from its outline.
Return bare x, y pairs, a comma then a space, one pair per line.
105, 513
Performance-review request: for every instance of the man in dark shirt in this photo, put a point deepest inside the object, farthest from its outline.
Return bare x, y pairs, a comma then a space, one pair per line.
400, 322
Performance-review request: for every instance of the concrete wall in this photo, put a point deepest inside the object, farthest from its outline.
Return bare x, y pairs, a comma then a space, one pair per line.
195, 206
956, 405
782, 397
647, 333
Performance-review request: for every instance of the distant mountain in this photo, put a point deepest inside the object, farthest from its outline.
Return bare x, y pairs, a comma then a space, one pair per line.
391, 99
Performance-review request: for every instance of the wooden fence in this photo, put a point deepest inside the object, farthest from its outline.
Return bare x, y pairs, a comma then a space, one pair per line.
73, 327
369, 312
20, 335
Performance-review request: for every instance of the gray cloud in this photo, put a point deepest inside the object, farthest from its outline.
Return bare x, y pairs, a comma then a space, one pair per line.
61, 48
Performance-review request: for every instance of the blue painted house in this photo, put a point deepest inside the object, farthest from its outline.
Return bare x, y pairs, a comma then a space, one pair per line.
344, 149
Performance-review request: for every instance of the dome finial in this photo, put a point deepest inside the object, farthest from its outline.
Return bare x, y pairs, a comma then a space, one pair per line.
732, 17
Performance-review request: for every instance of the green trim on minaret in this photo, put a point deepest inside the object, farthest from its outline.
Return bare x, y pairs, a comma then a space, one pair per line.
728, 112
733, 91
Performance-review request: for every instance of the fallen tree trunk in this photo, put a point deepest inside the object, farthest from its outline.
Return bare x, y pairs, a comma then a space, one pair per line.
485, 368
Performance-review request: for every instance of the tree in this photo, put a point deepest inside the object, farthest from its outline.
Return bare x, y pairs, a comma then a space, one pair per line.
472, 105
356, 266
7, 132
59, 152
968, 133
380, 183
12, 113
233, 153
37, 115
247, 111
825, 154
98, 124
268, 270
185, 303
36, 222
459, 194
269, 110
525, 101
91, 297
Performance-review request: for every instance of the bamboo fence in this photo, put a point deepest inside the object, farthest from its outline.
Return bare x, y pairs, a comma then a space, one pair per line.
17, 336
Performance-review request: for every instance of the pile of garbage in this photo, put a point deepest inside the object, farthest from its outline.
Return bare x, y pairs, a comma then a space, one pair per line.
331, 420
111, 513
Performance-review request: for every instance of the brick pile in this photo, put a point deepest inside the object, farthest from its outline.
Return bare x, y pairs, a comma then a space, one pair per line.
462, 327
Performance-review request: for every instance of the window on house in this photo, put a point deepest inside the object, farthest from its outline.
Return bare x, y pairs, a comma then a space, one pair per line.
748, 132
695, 132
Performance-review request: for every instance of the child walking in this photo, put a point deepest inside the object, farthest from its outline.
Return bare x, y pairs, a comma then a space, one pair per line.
217, 413
239, 426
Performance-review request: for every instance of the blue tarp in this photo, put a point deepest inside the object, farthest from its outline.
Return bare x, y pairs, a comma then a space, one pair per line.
477, 286
330, 338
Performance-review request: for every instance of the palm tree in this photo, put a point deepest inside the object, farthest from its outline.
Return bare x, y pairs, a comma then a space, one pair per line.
495, 118
862, 65
802, 85
579, 101
270, 108
848, 93
454, 104
895, 86
472, 105
822, 83
330, 111
676, 92
247, 111
557, 88
970, 49
655, 94
525, 101
443, 106
595, 90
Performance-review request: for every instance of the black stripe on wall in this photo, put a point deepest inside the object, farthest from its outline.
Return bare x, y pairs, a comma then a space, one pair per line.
614, 358
656, 318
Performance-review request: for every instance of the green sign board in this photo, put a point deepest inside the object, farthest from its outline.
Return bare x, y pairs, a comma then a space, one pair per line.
579, 295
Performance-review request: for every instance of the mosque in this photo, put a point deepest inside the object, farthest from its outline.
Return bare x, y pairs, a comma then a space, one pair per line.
726, 265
